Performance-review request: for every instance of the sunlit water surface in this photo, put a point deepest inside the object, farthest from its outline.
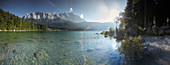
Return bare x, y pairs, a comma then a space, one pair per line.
58, 48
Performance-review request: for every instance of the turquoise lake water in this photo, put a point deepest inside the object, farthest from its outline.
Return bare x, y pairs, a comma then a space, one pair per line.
58, 48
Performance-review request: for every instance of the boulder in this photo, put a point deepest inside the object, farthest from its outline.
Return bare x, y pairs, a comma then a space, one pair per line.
149, 30
155, 29
161, 32
168, 31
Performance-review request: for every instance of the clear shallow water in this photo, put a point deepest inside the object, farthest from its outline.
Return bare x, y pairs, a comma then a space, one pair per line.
58, 48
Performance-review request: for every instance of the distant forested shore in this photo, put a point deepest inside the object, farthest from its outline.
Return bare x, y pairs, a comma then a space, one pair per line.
10, 22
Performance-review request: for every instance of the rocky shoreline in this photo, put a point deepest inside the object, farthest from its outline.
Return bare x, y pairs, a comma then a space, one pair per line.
159, 50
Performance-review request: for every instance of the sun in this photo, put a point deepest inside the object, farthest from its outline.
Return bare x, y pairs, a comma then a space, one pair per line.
115, 13
109, 15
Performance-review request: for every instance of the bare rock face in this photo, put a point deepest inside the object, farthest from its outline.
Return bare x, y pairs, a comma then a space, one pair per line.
64, 16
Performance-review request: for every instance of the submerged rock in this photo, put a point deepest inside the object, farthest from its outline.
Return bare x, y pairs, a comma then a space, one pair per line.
51, 41
30, 40
44, 38
47, 41
90, 50
78, 41
36, 38
1, 56
15, 38
1, 40
19, 45
41, 54
16, 51
9, 44
64, 40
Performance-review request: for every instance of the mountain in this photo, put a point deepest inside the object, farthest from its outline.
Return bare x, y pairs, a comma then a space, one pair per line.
9, 21
53, 17
65, 21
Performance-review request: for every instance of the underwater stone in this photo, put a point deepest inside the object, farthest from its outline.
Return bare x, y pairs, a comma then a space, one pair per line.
90, 50
1, 56
64, 40
16, 51
36, 38
79, 41
30, 41
51, 41
15, 38
9, 44
40, 55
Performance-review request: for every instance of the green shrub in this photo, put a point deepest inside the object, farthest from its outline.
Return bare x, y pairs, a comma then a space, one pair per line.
132, 48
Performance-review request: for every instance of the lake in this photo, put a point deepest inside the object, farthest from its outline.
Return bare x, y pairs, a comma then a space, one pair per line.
58, 48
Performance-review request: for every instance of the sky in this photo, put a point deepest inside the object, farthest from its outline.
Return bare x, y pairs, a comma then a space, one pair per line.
89, 10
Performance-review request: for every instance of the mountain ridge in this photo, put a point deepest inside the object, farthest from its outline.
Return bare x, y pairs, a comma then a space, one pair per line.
57, 17
65, 21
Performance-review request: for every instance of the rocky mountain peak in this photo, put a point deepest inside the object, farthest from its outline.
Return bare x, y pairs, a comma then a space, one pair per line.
65, 16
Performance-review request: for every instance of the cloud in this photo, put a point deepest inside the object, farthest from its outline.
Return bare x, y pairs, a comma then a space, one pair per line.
71, 9
81, 16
